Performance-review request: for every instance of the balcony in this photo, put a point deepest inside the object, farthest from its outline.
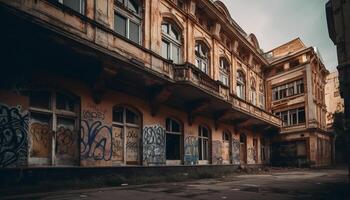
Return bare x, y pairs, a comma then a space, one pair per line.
192, 75
239, 111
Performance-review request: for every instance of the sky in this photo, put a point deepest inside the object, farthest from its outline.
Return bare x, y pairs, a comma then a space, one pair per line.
275, 22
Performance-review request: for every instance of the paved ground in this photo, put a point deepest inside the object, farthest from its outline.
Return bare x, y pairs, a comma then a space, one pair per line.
279, 185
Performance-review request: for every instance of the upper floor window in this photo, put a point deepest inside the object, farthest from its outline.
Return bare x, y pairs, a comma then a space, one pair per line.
292, 117
127, 19
253, 91
262, 101
171, 42
77, 5
240, 87
202, 57
287, 90
224, 71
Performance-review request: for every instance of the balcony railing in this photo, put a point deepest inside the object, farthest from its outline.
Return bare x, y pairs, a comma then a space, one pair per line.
242, 105
193, 75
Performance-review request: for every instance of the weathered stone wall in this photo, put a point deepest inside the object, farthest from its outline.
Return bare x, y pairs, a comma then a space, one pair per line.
98, 137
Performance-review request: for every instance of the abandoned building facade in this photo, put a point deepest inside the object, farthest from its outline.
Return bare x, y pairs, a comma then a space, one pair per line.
154, 82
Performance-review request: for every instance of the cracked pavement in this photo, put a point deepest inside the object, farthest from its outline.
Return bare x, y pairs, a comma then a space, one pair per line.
279, 185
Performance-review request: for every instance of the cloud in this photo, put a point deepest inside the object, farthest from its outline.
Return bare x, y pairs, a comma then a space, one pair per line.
276, 22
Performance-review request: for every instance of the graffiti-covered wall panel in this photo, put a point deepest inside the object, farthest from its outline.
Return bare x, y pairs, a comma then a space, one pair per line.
217, 152
154, 145
191, 151
96, 137
235, 151
13, 136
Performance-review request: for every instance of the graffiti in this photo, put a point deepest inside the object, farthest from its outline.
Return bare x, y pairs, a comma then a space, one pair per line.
96, 141
13, 136
235, 152
132, 144
191, 151
41, 137
252, 155
66, 141
132, 140
117, 145
93, 113
217, 152
154, 145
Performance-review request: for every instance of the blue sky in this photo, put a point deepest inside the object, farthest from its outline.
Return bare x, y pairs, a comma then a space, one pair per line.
275, 22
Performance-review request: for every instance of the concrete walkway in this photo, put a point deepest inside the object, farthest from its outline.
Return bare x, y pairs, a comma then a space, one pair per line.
279, 185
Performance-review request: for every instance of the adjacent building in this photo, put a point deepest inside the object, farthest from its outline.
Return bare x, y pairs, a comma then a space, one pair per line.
160, 82
295, 82
334, 102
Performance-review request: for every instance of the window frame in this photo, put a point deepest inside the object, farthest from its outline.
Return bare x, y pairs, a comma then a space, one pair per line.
82, 6
288, 115
202, 62
285, 90
180, 134
54, 114
122, 10
240, 83
124, 125
203, 141
172, 42
224, 74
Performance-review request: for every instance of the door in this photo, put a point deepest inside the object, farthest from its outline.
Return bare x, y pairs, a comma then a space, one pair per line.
226, 138
243, 149
126, 136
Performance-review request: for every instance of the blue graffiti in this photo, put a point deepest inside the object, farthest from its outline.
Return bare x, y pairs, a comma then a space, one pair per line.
191, 156
96, 141
13, 136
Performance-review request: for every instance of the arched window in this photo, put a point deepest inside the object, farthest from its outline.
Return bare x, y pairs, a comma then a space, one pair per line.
202, 57
240, 87
203, 142
253, 91
127, 19
224, 71
171, 42
54, 128
173, 139
126, 135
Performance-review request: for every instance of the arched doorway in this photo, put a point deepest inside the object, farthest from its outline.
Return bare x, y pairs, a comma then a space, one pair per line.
126, 136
